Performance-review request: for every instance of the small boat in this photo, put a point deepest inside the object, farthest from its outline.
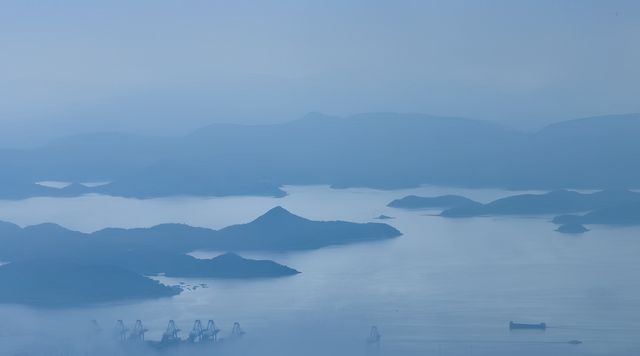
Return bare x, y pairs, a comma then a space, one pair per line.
540, 326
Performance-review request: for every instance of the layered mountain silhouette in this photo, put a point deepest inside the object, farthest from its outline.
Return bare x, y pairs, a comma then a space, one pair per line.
53, 265
163, 249
383, 150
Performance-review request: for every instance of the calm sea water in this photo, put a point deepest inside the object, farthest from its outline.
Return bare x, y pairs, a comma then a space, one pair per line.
446, 287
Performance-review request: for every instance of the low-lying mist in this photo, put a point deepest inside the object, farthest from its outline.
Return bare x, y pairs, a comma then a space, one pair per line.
27, 333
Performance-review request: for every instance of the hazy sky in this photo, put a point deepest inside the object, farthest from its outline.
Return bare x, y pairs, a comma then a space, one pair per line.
159, 65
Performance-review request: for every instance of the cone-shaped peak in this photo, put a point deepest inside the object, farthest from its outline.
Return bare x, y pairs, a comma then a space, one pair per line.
278, 215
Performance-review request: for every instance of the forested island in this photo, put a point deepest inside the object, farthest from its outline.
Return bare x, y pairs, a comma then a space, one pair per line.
163, 250
573, 209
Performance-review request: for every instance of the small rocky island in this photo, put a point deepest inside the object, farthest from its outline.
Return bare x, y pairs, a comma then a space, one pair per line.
572, 228
383, 217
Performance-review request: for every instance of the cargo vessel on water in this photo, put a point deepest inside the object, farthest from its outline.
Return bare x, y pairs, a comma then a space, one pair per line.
540, 326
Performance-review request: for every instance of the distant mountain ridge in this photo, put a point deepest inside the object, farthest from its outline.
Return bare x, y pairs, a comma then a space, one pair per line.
378, 150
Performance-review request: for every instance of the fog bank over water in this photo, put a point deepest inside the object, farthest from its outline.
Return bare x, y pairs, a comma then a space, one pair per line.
158, 67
